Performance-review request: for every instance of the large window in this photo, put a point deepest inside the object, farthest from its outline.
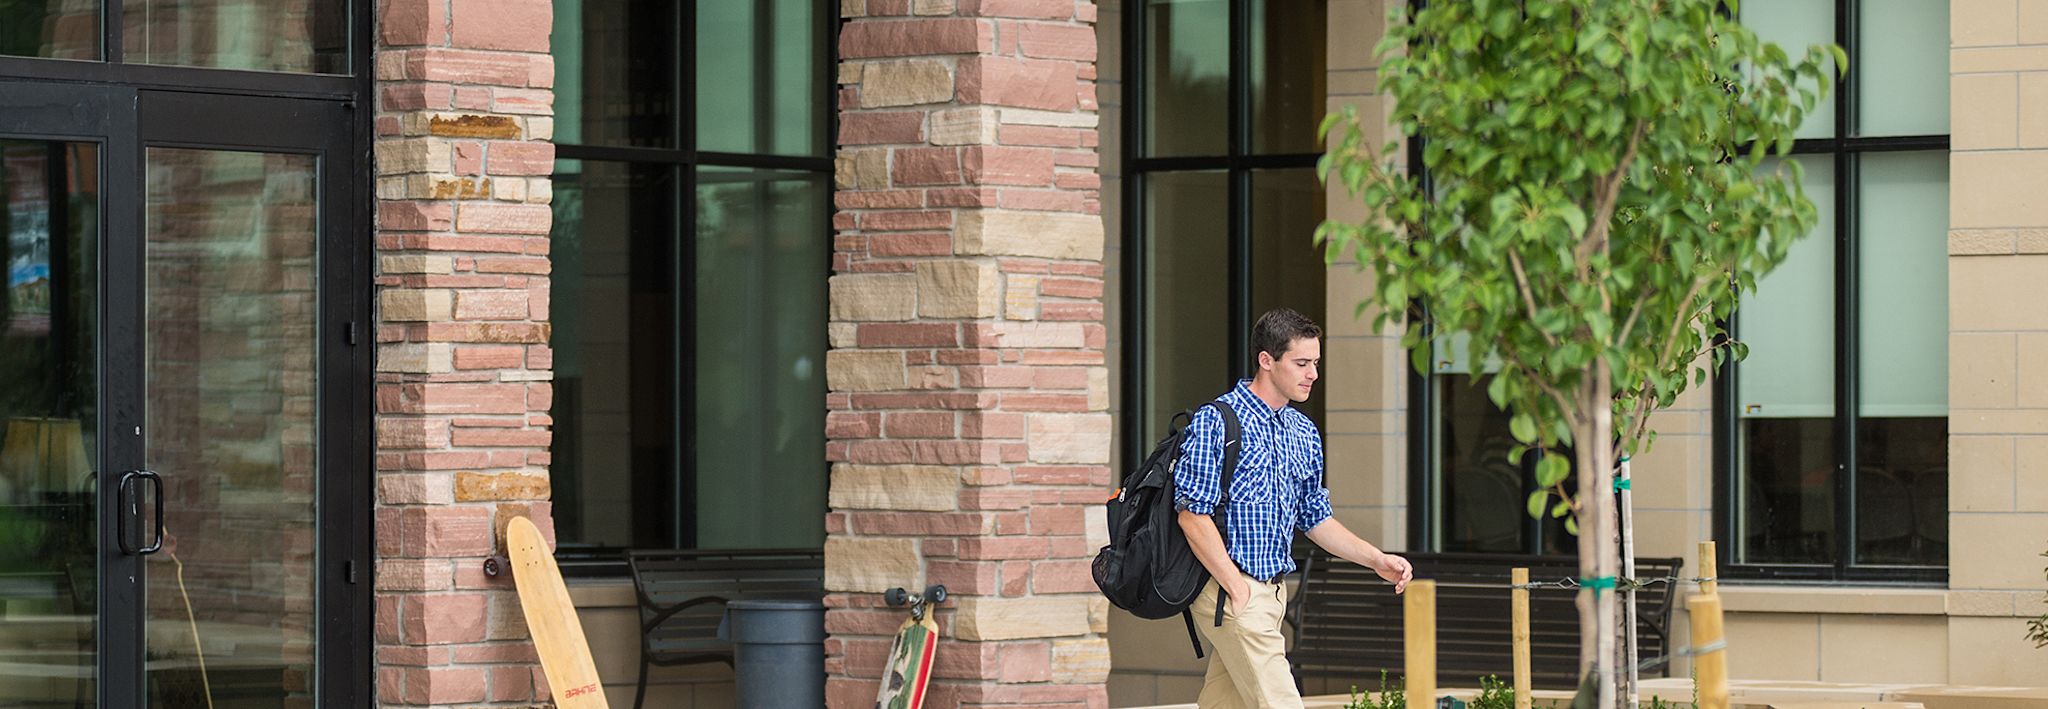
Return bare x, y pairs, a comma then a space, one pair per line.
1832, 437
1221, 194
691, 246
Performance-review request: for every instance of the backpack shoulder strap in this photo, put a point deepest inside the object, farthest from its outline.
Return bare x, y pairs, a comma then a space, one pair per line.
1232, 438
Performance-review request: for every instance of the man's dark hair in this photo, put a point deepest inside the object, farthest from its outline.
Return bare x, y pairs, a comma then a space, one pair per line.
1279, 328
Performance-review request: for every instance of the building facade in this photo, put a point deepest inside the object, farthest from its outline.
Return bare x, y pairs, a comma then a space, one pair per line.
306, 299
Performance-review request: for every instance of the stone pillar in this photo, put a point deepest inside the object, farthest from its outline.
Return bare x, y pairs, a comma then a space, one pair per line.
968, 429
1998, 339
464, 116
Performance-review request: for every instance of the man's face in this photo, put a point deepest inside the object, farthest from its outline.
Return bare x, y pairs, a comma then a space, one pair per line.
1296, 371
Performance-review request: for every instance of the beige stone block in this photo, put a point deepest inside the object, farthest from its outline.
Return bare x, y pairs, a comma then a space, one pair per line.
1984, 604
1983, 23
415, 357
958, 289
933, 7
1982, 242
1997, 421
929, 488
842, 335
849, 72
861, 169
1040, 335
1803, 599
1083, 661
415, 305
416, 264
1098, 387
1985, 110
1020, 297
855, 370
1352, 82
1347, 285
2030, 474
2002, 293
2031, 241
871, 565
1068, 438
1109, 43
2032, 382
397, 157
1140, 645
1992, 651
1055, 119
975, 125
1998, 189
1994, 59
1883, 649
1098, 615
1773, 646
1996, 550
1982, 370
1383, 526
874, 297
1357, 470
2033, 108
983, 618
1980, 473
1355, 27
1057, 235
906, 82
2033, 22
540, 128
1669, 533
1673, 474
1357, 374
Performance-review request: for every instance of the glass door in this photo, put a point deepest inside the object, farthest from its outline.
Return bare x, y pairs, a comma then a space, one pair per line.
246, 323
183, 434
53, 159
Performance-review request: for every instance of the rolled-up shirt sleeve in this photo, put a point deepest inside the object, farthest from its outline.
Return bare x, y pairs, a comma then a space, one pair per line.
1196, 476
1314, 506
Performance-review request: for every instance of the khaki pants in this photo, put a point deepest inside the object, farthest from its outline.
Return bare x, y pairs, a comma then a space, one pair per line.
1248, 667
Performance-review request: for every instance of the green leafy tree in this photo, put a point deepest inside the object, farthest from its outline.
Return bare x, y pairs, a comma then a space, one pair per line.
1603, 190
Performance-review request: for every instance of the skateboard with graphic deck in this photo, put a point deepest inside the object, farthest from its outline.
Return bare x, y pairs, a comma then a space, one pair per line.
551, 619
909, 671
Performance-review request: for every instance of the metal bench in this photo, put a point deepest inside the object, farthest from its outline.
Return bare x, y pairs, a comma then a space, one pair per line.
1348, 623
682, 596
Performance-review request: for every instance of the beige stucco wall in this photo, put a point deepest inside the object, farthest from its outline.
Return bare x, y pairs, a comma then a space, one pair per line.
1969, 633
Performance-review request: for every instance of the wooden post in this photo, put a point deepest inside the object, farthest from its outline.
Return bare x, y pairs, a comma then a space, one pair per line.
1707, 570
1710, 666
1519, 605
1420, 668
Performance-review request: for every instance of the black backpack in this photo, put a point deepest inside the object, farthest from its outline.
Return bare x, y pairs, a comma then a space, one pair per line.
1148, 567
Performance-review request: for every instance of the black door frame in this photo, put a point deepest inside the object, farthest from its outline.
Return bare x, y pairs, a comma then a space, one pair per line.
124, 122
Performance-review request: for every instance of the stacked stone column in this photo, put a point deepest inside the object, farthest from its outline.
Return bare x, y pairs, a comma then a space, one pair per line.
464, 115
967, 420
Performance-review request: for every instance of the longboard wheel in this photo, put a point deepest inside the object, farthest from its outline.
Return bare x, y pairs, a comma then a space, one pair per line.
896, 596
935, 594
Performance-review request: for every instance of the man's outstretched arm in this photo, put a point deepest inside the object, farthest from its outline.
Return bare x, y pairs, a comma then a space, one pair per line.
1334, 538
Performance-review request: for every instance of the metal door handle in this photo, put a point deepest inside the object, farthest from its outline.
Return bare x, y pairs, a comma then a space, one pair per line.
124, 492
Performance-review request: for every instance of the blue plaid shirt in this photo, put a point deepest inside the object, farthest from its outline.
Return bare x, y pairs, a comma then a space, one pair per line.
1276, 489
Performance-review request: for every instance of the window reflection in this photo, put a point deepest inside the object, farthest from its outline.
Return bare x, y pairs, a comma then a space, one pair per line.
301, 36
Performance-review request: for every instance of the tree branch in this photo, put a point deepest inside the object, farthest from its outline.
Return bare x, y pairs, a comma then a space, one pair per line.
1528, 296
1605, 202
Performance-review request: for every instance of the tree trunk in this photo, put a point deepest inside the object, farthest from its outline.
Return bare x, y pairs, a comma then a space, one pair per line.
1593, 448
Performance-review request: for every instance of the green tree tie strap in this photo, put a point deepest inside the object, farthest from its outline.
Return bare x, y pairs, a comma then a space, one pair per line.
1598, 584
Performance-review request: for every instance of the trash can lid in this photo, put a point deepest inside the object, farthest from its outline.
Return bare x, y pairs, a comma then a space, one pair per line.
776, 604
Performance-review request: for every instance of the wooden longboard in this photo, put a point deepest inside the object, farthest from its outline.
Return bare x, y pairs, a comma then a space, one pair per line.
551, 619
909, 671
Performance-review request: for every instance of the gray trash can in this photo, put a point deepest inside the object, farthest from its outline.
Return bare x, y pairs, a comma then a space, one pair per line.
778, 651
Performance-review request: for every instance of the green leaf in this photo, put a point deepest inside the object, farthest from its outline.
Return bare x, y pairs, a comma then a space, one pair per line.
1536, 501
1560, 509
1571, 525
1551, 470
1523, 427
1574, 217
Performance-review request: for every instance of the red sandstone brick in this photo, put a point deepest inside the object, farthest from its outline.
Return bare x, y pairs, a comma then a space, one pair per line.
867, 39
466, 67
881, 127
933, 244
412, 22
992, 425
1077, 158
925, 166
1024, 83
1062, 521
999, 165
976, 548
995, 377
1083, 311
515, 25
442, 618
1028, 9
469, 158
540, 72
889, 199
921, 524
521, 158
919, 424
414, 216
491, 305
962, 197
444, 685
514, 264
885, 335
474, 98
842, 425
972, 578
523, 102
502, 437
1045, 40
1024, 662
1045, 402
906, 220
1042, 136
1077, 181
1012, 523
1070, 287
498, 219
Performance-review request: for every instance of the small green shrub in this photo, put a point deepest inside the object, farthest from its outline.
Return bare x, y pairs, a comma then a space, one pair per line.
1389, 698
1493, 694
2037, 629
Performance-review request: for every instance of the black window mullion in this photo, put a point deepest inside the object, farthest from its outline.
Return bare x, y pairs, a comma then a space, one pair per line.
1846, 291
110, 32
684, 533
1133, 262
1238, 124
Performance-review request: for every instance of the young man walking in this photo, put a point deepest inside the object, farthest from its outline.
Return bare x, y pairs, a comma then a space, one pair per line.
1276, 489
